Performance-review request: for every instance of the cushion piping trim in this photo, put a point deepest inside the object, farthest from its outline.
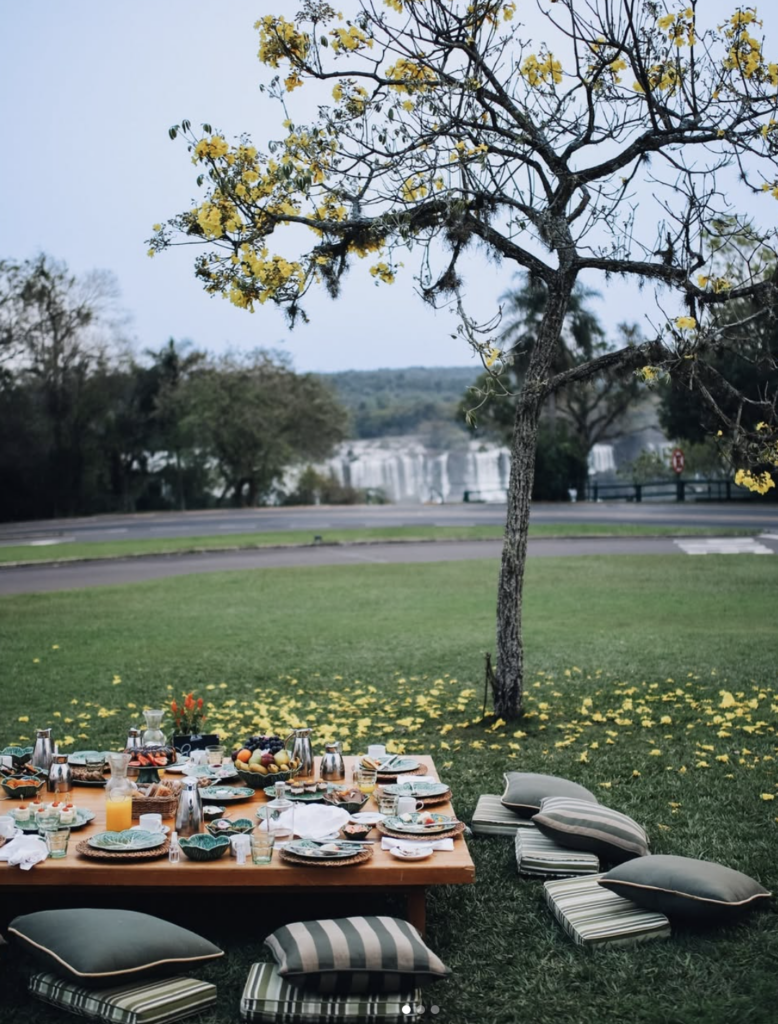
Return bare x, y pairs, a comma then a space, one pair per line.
678, 892
113, 974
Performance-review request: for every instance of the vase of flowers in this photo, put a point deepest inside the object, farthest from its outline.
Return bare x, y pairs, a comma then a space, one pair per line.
189, 717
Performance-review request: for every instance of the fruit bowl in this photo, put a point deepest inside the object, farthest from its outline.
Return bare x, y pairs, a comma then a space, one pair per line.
256, 780
202, 847
22, 788
225, 827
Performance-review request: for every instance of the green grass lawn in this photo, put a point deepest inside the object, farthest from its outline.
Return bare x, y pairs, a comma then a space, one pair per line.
651, 680
187, 545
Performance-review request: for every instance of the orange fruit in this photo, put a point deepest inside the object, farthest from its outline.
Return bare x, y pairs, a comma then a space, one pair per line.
243, 755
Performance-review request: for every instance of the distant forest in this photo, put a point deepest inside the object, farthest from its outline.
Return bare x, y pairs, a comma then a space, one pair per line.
409, 401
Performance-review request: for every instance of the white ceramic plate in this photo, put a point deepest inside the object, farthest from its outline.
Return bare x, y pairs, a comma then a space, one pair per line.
401, 854
367, 817
179, 766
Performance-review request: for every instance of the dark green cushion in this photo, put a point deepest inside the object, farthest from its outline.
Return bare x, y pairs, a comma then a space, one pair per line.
105, 947
525, 791
700, 891
582, 825
354, 955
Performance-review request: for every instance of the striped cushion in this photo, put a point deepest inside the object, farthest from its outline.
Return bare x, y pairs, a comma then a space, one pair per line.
354, 954
590, 920
152, 1002
581, 825
536, 854
491, 818
268, 999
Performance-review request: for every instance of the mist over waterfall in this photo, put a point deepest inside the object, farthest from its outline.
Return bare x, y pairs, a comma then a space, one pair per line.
405, 469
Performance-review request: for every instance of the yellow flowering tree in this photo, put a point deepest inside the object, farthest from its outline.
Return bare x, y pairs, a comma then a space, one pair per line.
605, 138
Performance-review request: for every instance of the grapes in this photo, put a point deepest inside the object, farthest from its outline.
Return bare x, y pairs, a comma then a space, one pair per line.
270, 743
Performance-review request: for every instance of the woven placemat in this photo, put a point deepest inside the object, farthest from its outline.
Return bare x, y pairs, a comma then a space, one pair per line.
309, 862
390, 778
433, 801
451, 833
88, 851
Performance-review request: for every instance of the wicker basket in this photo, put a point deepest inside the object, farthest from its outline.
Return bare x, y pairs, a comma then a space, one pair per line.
164, 805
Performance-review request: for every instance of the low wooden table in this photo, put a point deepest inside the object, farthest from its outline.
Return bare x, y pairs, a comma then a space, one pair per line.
382, 871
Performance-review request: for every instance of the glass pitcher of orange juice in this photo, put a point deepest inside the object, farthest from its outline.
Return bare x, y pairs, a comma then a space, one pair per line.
118, 795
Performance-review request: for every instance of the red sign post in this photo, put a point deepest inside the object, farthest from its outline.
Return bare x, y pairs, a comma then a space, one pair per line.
677, 460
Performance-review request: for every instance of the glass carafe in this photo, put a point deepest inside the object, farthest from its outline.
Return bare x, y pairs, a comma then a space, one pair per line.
118, 795
152, 735
279, 814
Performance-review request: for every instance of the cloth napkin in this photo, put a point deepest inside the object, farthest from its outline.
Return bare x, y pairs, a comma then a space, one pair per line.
312, 821
26, 851
436, 844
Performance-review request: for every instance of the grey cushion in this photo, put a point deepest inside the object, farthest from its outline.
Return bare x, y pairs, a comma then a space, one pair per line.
107, 947
525, 791
700, 891
538, 855
354, 954
593, 916
582, 825
492, 818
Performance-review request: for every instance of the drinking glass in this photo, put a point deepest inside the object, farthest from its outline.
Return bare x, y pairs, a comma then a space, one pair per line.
48, 822
388, 805
57, 843
366, 780
215, 755
262, 847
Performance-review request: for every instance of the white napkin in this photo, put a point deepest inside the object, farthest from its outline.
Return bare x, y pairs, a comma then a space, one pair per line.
312, 821
404, 844
26, 851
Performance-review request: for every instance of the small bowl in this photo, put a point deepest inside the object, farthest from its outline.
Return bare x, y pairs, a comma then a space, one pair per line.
353, 830
213, 811
202, 847
22, 788
19, 755
352, 806
256, 780
241, 827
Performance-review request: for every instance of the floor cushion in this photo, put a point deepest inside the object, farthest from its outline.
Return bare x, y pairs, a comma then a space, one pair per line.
536, 854
582, 825
591, 920
354, 954
525, 791
269, 999
113, 947
144, 1002
699, 891
491, 818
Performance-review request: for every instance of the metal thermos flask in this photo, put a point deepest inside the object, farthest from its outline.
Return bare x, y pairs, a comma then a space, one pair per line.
60, 778
44, 750
189, 817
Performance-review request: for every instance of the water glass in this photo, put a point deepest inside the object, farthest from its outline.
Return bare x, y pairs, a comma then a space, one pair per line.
57, 843
47, 823
262, 847
367, 779
388, 805
215, 755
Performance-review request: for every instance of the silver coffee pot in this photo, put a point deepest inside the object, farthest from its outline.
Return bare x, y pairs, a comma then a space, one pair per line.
189, 816
134, 741
44, 749
332, 767
60, 778
301, 750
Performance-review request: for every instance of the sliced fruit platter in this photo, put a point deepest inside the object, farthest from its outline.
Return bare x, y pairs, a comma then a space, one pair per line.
153, 758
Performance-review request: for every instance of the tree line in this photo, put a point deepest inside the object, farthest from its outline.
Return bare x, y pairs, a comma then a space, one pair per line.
87, 427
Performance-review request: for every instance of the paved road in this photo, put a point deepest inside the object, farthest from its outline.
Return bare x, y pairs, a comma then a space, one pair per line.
318, 520
33, 579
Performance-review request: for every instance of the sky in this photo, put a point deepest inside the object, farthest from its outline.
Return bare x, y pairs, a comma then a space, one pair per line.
90, 89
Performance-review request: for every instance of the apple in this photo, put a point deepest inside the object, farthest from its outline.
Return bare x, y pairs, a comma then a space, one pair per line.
266, 758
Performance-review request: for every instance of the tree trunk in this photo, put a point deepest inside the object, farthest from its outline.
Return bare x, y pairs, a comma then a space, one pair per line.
508, 687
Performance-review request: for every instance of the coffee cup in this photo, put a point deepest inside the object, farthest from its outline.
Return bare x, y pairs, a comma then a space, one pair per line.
407, 805
7, 826
377, 751
151, 822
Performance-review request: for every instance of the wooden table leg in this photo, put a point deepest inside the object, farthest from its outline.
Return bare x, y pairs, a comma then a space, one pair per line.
417, 909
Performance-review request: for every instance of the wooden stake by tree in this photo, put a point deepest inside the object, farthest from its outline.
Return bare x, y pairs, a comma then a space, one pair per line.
616, 145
